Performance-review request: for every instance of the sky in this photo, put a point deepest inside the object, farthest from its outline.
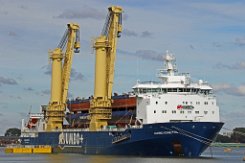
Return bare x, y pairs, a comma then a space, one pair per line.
206, 37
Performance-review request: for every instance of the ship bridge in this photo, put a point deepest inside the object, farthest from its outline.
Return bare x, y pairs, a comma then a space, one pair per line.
172, 81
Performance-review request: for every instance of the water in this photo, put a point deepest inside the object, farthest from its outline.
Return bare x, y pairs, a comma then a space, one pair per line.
219, 156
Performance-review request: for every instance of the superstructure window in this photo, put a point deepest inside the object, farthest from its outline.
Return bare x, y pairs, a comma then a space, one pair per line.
164, 111
197, 112
182, 112
205, 92
205, 112
173, 111
147, 90
194, 90
170, 90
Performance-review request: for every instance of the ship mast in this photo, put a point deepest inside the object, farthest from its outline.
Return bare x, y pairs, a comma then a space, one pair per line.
170, 66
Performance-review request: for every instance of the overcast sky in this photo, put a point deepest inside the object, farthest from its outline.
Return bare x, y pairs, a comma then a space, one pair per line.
207, 38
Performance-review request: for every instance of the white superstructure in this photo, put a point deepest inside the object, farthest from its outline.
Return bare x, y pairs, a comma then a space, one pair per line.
175, 99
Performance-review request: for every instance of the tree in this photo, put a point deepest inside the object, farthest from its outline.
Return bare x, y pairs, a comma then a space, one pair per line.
13, 132
223, 139
238, 135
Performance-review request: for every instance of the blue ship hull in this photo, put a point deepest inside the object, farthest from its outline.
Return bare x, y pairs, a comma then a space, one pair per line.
187, 139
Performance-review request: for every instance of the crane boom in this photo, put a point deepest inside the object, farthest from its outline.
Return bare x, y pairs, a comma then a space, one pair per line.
61, 76
105, 46
73, 45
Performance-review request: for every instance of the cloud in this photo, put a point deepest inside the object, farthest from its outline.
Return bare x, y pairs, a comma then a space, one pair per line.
221, 87
192, 47
228, 118
237, 66
144, 54
48, 70
129, 33
85, 12
74, 74
15, 97
1, 114
146, 34
45, 92
28, 89
216, 44
229, 89
23, 7
4, 105
226, 10
12, 34
4, 13
7, 81
240, 41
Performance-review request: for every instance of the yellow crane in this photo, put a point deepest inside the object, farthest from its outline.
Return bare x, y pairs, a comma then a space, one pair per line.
105, 47
61, 70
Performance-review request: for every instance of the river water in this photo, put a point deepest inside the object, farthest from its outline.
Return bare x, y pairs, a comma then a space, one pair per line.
211, 155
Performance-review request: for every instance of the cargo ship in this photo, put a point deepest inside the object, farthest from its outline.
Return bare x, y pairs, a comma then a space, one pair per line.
173, 117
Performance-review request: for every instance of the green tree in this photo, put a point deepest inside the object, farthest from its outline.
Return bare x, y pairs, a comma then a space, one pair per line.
238, 135
12, 132
223, 139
